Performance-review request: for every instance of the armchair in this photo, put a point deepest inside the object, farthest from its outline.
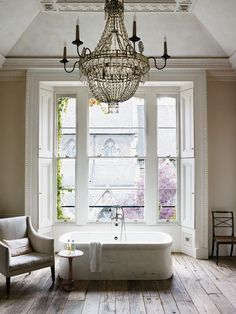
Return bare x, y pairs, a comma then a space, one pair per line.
42, 254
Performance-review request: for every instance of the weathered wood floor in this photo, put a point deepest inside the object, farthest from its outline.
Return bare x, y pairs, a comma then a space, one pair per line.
196, 287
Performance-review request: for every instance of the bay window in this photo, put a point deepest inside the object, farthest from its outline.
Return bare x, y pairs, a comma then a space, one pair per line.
115, 159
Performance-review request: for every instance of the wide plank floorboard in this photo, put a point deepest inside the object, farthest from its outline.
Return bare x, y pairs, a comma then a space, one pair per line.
197, 286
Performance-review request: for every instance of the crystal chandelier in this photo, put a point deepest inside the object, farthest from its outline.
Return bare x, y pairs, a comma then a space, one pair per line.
115, 68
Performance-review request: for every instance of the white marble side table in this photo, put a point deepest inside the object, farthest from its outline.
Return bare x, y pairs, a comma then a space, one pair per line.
69, 286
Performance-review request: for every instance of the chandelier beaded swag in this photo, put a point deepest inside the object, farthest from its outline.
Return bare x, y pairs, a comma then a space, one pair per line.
115, 68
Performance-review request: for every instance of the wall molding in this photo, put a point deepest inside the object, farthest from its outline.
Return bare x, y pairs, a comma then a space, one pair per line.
24, 63
232, 60
98, 6
2, 60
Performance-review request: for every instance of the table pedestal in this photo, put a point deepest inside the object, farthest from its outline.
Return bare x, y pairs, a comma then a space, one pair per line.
70, 286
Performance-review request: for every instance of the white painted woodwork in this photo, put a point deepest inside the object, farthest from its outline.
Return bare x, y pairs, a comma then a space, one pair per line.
198, 78
2, 60
45, 123
45, 193
151, 164
186, 123
232, 60
46, 186
58, 6
187, 192
82, 165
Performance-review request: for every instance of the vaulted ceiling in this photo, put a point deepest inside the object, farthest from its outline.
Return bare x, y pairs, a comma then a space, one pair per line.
29, 28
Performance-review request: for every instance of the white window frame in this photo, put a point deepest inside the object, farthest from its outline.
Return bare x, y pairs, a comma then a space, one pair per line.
174, 94
198, 77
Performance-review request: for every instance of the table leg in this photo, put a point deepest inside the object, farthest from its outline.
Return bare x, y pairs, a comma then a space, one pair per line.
69, 286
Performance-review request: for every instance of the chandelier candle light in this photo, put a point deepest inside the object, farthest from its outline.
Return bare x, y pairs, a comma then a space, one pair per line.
115, 68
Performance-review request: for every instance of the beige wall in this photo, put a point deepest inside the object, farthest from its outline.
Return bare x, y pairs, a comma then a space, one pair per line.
12, 147
222, 149
222, 145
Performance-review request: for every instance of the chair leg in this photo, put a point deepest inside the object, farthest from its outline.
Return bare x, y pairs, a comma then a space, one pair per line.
213, 245
8, 281
217, 253
53, 273
232, 248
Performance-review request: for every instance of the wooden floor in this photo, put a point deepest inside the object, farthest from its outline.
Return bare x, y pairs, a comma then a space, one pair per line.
196, 287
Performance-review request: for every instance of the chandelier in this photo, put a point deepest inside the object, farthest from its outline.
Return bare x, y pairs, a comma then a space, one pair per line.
117, 65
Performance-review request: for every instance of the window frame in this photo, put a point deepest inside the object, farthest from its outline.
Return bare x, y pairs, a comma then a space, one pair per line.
177, 157
151, 213
59, 95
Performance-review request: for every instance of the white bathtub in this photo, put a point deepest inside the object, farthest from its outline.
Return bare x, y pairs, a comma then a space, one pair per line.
142, 256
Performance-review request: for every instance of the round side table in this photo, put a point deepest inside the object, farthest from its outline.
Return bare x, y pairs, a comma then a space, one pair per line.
69, 286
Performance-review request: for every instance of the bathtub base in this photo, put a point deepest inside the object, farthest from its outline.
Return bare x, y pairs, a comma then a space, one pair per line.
122, 263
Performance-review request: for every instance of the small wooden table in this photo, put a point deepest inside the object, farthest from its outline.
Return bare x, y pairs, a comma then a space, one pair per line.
69, 286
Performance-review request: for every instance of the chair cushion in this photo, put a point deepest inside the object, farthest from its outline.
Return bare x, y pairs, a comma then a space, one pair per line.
30, 260
18, 246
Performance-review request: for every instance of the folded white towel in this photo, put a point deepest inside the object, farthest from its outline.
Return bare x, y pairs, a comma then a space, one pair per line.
95, 256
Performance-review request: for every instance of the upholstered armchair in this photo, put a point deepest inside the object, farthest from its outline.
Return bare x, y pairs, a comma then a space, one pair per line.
40, 255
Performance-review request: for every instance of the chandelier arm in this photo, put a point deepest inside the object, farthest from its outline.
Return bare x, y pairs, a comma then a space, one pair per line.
82, 55
155, 63
89, 51
72, 70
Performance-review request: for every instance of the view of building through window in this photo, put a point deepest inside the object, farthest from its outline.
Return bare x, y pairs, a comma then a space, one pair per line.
66, 155
167, 157
116, 161
117, 153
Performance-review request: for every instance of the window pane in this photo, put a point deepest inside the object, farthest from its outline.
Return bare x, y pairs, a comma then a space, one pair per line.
117, 142
131, 114
67, 145
120, 197
68, 213
106, 214
166, 142
68, 197
68, 114
166, 112
116, 172
167, 188
68, 172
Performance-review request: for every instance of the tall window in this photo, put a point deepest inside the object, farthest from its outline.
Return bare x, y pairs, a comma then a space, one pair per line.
66, 155
117, 160
111, 168
167, 157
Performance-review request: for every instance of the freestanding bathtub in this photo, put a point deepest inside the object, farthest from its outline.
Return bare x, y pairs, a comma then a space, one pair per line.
142, 256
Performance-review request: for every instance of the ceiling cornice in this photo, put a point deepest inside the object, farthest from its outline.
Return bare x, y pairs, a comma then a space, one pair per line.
232, 60
2, 60
130, 6
16, 63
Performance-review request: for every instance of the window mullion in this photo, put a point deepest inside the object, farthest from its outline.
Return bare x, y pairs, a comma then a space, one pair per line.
81, 200
151, 182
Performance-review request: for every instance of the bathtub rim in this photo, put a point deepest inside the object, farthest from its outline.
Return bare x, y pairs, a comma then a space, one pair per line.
120, 244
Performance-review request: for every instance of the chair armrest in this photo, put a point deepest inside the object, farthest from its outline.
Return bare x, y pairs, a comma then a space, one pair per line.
39, 243
5, 256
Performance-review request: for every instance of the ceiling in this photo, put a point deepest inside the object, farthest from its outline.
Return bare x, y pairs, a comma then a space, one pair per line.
206, 29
